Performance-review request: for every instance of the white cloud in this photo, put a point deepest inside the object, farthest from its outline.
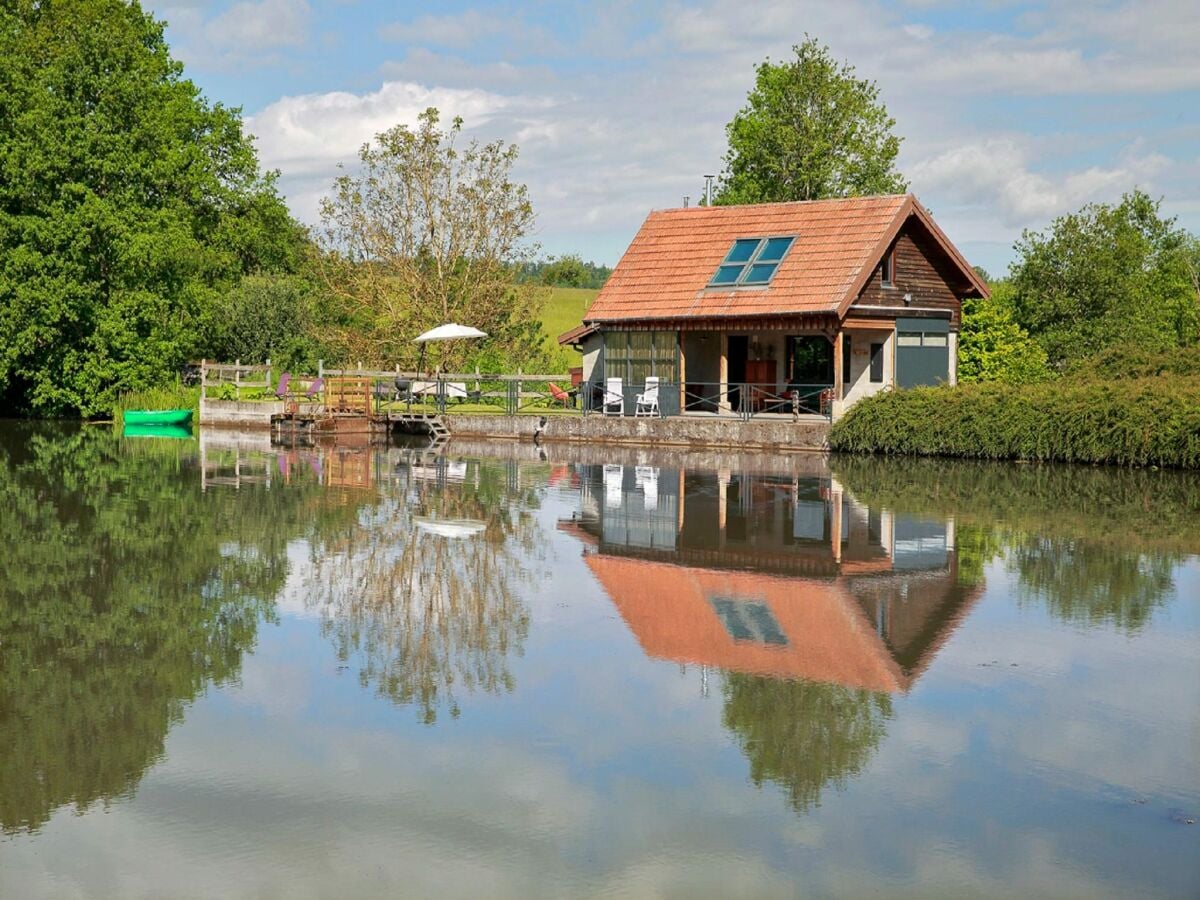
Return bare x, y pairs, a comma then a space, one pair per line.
262, 25
469, 28
996, 173
246, 34
307, 136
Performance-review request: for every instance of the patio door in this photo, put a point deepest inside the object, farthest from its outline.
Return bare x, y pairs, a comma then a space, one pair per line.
739, 352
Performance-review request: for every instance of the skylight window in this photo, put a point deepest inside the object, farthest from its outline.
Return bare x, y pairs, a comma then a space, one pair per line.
751, 261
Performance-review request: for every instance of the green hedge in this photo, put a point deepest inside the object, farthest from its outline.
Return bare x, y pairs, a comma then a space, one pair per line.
1139, 422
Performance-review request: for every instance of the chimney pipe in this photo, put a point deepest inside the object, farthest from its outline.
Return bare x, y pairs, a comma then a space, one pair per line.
708, 186
686, 198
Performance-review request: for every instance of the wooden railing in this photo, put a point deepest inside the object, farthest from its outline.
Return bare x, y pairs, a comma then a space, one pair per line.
230, 380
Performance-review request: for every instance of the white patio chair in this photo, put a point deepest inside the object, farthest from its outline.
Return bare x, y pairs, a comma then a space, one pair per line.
647, 401
614, 397
647, 480
614, 484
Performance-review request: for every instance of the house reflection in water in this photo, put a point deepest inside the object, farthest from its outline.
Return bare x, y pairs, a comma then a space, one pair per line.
783, 576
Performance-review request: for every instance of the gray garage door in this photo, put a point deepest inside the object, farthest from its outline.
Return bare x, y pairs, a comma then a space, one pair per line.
922, 351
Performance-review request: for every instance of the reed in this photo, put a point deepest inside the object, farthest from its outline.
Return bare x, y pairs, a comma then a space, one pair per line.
168, 396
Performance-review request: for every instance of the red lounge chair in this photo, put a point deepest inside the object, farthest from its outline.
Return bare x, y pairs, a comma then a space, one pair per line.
559, 394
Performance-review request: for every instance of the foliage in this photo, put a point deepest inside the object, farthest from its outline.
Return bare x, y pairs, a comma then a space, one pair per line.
127, 204
428, 233
568, 271
1138, 361
993, 347
1105, 275
1147, 421
270, 317
810, 130
124, 593
803, 735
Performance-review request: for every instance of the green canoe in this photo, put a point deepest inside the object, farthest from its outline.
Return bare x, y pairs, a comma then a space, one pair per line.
158, 416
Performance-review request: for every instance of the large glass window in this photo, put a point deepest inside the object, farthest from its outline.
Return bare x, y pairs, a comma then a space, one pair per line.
635, 355
751, 261
811, 360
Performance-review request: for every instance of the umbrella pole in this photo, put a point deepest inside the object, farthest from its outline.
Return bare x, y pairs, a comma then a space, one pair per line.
420, 374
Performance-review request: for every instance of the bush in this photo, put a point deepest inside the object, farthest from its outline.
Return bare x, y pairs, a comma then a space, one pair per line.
1135, 421
1138, 361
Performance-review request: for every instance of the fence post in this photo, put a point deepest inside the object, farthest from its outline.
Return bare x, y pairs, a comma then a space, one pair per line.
237, 380
203, 377
268, 376
320, 368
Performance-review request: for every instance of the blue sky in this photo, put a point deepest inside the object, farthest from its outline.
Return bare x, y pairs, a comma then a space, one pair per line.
1011, 113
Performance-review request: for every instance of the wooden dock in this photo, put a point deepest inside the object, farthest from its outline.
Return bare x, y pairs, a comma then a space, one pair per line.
291, 428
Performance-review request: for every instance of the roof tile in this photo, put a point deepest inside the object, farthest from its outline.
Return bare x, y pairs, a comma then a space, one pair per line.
669, 263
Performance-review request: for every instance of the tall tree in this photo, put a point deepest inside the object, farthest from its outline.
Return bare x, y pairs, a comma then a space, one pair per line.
810, 129
1107, 275
127, 202
425, 233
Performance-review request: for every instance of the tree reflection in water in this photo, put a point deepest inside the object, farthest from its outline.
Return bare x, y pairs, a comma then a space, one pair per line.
1091, 584
1095, 546
803, 735
124, 593
428, 617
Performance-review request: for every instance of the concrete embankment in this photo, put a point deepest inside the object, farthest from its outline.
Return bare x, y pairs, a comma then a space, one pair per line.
781, 436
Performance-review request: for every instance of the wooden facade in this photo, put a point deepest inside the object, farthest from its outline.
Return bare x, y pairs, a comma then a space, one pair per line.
920, 270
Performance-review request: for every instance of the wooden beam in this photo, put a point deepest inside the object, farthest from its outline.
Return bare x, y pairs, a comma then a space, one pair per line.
838, 386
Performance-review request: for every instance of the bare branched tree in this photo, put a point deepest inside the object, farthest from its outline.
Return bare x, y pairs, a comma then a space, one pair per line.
427, 233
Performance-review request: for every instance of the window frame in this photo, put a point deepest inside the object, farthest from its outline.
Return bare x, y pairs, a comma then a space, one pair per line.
751, 262
877, 353
887, 269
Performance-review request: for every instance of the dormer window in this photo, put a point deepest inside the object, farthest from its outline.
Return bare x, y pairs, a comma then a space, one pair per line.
887, 266
751, 262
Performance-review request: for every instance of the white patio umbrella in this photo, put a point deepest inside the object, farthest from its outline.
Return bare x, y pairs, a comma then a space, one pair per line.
449, 528
448, 332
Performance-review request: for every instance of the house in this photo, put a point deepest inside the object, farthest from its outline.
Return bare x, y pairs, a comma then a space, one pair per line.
736, 308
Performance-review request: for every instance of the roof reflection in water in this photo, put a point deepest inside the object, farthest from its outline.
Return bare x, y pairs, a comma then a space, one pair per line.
783, 576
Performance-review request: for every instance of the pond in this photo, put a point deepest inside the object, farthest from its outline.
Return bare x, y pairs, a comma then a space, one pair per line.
229, 669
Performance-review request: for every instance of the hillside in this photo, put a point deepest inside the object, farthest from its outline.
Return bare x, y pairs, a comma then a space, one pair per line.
564, 310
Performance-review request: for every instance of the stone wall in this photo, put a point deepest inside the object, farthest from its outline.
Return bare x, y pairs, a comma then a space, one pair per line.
781, 436
247, 414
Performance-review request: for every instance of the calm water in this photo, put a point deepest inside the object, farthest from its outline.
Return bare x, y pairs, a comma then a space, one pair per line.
230, 670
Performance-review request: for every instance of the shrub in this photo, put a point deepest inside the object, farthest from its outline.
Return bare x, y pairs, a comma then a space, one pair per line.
1137, 421
1133, 360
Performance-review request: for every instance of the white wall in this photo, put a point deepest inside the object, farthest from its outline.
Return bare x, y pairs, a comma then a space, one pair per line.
953, 342
860, 384
591, 353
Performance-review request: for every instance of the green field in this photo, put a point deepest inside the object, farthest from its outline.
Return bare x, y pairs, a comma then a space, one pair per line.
563, 311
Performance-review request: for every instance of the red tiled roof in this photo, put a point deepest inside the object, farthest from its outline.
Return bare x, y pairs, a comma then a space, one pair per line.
576, 334
666, 270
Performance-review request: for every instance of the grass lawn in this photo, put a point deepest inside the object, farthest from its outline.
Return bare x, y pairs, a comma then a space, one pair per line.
563, 311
